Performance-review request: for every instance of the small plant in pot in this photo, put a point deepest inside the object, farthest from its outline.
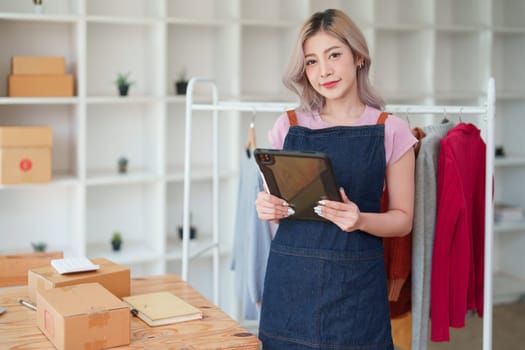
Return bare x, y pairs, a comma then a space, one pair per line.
181, 84
122, 165
39, 246
38, 7
116, 241
123, 83
193, 230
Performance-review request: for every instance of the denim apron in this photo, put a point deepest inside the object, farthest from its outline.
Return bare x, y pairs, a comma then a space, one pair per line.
326, 288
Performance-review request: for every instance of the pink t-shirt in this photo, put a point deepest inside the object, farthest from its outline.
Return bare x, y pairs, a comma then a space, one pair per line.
398, 136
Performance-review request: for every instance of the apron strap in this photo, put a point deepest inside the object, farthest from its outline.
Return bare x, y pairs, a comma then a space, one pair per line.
382, 118
292, 117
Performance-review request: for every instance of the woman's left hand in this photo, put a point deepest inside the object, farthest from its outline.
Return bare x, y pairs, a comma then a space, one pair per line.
345, 214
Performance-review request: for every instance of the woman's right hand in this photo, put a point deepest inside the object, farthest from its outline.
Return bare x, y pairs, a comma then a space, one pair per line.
271, 208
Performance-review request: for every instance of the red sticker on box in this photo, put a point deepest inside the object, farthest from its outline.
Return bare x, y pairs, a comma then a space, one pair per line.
26, 164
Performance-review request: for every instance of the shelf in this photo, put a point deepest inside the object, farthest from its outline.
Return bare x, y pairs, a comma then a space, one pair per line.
181, 99
122, 100
509, 161
132, 252
261, 23
452, 71
460, 28
207, 10
198, 173
38, 100
176, 174
33, 17
401, 27
399, 68
139, 10
196, 22
112, 178
508, 30
56, 181
200, 246
121, 20
508, 53
508, 227
510, 95
395, 12
507, 287
459, 95
508, 13
466, 12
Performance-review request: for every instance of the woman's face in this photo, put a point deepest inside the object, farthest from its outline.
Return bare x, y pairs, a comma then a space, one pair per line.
330, 66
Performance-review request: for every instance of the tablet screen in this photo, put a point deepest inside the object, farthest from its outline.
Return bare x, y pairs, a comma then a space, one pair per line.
301, 178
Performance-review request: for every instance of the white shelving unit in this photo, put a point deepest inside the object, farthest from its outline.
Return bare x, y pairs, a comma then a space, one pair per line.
438, 52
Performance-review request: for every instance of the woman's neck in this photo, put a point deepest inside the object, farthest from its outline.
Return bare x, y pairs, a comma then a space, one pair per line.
342, 112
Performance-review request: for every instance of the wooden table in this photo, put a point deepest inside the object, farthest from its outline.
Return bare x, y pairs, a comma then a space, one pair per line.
18, 329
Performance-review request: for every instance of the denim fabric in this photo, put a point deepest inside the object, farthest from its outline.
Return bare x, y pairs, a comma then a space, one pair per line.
326, 288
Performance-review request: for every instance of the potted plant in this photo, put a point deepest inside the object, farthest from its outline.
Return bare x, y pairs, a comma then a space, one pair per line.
122, 165
116, 241
39, 246
181, 83
193, 229
123, 83
38, 6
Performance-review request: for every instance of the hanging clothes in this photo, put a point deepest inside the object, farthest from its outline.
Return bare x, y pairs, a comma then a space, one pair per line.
458, 252
423, 230
398, 264
398, 257
252, 239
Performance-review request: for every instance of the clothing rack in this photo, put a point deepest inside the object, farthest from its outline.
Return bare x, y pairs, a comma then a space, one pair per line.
486, 111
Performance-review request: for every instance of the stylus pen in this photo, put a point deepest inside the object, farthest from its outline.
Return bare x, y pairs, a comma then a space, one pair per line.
27, 304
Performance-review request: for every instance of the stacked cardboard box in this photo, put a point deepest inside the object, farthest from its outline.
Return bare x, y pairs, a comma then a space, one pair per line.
114, 277
39, 76
83, 316
25, 154
82, 310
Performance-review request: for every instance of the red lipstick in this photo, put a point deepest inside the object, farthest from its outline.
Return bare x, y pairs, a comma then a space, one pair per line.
330, 84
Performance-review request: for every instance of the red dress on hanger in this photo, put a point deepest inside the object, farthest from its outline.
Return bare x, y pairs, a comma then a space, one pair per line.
458, 253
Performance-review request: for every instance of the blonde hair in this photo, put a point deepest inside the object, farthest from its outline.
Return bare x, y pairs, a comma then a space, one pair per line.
338, 24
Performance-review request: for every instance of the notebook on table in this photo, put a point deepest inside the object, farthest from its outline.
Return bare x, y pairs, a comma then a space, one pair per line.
160, 308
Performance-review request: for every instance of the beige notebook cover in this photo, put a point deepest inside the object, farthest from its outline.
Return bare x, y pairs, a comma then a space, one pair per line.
161, 308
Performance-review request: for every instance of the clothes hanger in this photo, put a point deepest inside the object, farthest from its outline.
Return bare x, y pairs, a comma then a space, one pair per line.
445, 119
251, 144
460, 113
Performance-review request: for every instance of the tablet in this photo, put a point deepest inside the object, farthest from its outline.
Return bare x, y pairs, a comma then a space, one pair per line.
300, 178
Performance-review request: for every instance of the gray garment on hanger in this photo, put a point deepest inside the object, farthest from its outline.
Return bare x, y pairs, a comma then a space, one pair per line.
423, 230
251, 241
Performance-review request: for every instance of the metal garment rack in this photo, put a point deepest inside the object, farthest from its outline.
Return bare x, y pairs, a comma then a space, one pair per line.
486, 112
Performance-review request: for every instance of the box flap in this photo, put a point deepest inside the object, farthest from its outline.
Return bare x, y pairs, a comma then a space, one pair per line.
26, 136
81, 299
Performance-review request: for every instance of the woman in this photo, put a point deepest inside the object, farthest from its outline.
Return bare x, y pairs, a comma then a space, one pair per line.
325, 285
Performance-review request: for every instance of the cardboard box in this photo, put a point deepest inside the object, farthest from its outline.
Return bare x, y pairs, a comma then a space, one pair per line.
38, 65
37, 85
114, 277
14, 267
25, 154
84, 316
